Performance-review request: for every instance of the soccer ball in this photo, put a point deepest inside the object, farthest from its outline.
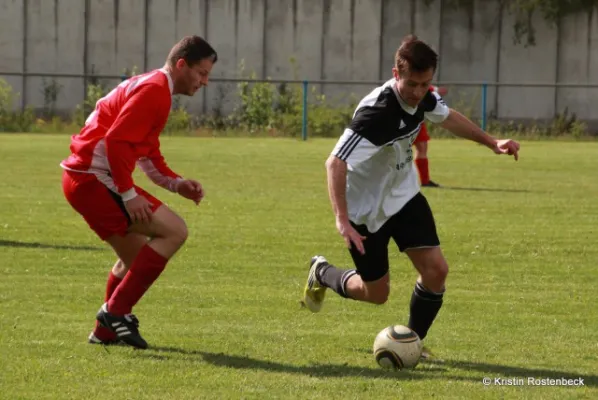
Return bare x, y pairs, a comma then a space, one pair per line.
397, 347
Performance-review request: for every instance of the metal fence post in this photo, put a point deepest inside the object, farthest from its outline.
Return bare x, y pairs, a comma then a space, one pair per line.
484, 105
304, 125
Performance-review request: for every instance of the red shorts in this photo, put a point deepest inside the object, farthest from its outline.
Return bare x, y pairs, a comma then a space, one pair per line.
422, 136
102, 209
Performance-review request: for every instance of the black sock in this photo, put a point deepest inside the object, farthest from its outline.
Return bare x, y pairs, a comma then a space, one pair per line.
335, 278
423, 309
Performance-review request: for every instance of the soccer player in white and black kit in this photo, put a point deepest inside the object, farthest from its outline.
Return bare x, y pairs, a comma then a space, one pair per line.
376, 196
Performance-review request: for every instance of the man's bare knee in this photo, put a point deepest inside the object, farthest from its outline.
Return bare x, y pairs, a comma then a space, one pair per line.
435, 274
378, 297
165, 225
377, 292
441, 271
168, 231
431, 265
181, 232
434, 277
176, 233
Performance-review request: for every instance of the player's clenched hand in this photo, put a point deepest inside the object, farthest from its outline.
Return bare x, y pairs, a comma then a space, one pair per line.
139, 209
507, 146
350, 235
191, 190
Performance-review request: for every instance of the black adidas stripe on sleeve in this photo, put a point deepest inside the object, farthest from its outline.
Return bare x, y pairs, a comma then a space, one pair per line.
348, 146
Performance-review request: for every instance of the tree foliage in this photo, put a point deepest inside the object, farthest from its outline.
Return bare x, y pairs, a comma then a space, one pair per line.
524, 11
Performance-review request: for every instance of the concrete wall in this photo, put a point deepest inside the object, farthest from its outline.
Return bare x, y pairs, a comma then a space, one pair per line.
329, 39
11, 40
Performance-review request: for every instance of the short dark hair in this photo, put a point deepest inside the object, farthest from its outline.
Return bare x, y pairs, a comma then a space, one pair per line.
192, 49
415, 56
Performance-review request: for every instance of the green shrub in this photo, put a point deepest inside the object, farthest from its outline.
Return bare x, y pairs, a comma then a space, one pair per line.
265, 106
179, 119
95, 91
12, 120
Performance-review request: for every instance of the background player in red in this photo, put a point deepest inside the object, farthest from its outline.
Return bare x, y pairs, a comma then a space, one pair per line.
421, 148
121, 132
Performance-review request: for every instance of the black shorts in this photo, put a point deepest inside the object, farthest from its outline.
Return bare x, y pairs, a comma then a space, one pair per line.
412, 227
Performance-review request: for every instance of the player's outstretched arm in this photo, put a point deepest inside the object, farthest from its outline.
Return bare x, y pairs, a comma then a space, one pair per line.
460, 125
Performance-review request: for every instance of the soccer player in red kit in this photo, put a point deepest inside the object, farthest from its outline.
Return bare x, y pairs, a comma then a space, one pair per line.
123, 131
421, 148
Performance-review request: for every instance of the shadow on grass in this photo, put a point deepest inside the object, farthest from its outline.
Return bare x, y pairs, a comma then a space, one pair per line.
431, 369
314, 370
479, 189
35, 245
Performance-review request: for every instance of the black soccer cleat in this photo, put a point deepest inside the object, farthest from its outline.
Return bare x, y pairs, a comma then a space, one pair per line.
126, 327
93, 339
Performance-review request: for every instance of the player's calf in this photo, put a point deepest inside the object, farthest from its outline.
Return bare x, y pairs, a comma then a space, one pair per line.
176, 233
375, 292
349, 284
428, 293
168, 232
424, 307
336, 278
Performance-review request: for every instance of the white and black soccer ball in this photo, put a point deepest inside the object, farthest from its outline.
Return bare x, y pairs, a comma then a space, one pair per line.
397, 347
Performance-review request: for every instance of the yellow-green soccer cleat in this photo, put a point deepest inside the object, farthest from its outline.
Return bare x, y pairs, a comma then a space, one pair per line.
314, 292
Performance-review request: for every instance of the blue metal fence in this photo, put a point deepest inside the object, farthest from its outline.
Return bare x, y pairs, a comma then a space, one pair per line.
305, 84
484, 105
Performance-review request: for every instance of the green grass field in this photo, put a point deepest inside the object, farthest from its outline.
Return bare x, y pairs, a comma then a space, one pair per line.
224, 319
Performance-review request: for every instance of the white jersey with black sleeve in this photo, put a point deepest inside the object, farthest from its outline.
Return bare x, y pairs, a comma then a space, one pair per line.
377, 147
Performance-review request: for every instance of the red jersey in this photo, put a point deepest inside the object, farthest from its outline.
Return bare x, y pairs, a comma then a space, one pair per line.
124, 130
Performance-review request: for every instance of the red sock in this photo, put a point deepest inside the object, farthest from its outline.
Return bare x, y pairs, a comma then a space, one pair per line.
146, 268
422, 168
100, 332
